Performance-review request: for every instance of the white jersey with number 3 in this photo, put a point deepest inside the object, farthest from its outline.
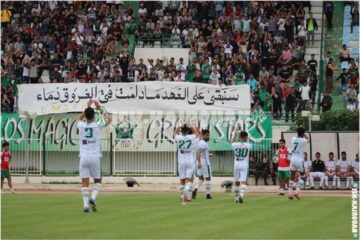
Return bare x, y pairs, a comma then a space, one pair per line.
298, 148
90, 139
186, 147
241, 154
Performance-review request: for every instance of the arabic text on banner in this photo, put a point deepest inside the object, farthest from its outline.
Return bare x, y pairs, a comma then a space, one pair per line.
142, 97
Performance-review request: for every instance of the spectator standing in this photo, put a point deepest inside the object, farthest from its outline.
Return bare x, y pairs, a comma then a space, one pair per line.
354, 15
290, 104
253, 83
5, 17
344, 54
353, 73
344, 81
181, 67
329, 72
326, 102
305, 96
215, 76
329, 9
351, 98
311, 26
277, 96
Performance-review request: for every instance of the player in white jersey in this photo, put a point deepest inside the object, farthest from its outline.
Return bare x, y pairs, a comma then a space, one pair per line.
330, 171
298, 144
344, 170
355, 169
203, 166
90, 152
186, 142
241, 164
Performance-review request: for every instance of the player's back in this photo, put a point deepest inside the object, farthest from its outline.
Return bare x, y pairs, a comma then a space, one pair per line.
186, 147
204, 146
90, 139
242, 154
298, 147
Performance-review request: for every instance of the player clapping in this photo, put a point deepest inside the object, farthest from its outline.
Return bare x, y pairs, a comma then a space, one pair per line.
297, 161
203, 165
90, 152
186, 139
241, 164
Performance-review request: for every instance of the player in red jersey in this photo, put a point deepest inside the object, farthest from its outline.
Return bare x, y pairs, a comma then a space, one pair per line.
5, 165
283, 156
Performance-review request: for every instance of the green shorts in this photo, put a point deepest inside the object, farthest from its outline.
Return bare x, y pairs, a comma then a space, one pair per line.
5, 174
283, 174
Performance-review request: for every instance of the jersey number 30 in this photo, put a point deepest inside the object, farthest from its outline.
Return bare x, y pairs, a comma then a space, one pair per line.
89, 132
241, 153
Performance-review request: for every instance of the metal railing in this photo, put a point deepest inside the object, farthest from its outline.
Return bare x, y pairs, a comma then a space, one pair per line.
119, 157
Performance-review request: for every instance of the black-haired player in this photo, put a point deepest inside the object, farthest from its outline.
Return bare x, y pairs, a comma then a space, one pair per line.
298, 144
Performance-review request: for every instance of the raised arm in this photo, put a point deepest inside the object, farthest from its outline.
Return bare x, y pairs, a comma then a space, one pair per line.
102, 110
176, 131
198, 157
196, 131
234, 136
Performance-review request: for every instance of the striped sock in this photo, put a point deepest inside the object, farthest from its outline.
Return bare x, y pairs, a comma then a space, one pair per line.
208, 187
96, 190
242, 190
198, 185
85, 196
236, 193
182, 187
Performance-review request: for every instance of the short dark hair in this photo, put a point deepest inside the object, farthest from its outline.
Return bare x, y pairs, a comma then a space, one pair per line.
89, 113
343, 152
301, 131
5, 144
282, 140
205, 131
185, 129
243, 134
331, 153
317, 153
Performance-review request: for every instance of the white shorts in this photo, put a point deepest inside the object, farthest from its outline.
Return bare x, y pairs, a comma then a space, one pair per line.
204, 171
90, 167
186, 169
241, 174
297, 165
317, 174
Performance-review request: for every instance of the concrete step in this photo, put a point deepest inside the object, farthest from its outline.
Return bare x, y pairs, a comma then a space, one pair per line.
316, 3
317, 44
312, 51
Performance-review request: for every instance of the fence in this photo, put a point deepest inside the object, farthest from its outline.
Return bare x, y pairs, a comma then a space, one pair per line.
119, 157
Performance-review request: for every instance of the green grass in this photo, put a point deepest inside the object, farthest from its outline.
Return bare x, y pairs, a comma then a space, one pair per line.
145, 216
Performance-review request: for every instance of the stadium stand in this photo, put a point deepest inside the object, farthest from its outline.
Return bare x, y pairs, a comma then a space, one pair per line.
229, 43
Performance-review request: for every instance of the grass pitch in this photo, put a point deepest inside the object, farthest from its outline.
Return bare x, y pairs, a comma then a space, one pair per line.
152, 216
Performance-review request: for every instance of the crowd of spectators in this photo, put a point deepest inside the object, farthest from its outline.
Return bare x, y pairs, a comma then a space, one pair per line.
231, 43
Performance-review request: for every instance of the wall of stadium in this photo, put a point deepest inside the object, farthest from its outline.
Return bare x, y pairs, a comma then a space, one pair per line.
162, 53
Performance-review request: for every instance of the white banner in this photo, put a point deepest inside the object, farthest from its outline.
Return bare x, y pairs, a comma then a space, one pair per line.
144, 97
